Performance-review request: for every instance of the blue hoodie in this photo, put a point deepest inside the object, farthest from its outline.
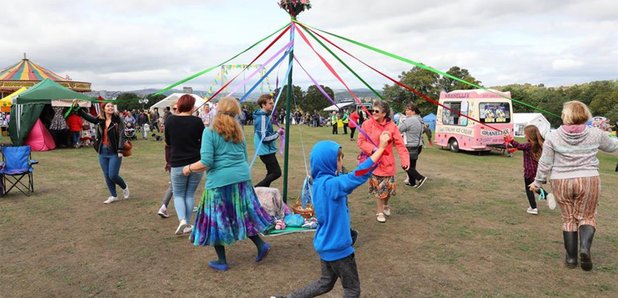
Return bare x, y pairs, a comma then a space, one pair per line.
264, 132
332, 239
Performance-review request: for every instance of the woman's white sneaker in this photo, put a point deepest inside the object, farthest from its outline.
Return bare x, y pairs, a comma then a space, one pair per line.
125, 192
533, 211
181, 227
111, 199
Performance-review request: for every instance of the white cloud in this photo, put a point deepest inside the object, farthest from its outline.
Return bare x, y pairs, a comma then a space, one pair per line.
133, 44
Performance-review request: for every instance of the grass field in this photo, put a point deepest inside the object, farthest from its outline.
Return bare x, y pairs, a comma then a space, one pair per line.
465, 233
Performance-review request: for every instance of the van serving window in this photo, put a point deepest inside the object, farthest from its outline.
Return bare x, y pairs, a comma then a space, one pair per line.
495, 112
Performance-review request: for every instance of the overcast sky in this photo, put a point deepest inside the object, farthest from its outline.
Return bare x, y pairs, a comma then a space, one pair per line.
134, 44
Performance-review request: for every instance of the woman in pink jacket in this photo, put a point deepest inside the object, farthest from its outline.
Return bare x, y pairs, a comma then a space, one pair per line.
382, 182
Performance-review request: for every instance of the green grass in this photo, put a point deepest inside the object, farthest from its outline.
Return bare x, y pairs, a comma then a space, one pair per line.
464, 233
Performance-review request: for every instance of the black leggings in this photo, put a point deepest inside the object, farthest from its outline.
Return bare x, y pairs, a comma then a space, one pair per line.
530, 194
273, 170
352, 130
413, 174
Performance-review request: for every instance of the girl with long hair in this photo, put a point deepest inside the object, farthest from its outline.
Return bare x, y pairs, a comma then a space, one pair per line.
229, 210
109, 144
532, 149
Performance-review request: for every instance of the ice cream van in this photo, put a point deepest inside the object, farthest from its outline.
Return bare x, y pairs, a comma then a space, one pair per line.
493, 112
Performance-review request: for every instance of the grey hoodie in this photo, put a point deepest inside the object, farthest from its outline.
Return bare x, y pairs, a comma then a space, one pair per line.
573, 154
412, 127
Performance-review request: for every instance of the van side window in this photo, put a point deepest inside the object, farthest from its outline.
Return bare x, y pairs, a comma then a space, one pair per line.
452, 116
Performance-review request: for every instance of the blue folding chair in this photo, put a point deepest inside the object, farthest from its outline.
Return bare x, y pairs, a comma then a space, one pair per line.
17, 165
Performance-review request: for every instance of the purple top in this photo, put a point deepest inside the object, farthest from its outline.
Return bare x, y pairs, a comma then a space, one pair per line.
530, 164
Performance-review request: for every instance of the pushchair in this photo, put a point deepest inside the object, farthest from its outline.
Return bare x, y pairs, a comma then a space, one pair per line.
129, 131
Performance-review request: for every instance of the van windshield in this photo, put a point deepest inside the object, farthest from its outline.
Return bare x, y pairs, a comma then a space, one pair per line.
495, 112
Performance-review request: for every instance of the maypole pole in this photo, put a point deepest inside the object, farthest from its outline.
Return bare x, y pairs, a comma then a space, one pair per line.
293, 8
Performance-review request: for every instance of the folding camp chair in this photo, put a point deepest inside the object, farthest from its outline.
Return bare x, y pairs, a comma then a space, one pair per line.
16, 165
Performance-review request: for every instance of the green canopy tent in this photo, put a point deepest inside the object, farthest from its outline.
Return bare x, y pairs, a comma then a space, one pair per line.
28, 106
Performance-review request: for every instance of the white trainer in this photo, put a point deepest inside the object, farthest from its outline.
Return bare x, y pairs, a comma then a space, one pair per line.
163, 212
551, 201
125, 192
534, 211
111, 199
187, 230
181, 227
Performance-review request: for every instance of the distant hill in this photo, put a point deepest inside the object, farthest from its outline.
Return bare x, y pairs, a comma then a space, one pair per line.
343, 95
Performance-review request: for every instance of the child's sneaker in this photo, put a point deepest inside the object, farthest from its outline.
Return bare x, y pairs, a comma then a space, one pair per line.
533, 211
551, 201
110, 200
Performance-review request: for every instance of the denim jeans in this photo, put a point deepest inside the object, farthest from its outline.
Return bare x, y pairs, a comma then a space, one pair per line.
75, 136
183, 188
110, 164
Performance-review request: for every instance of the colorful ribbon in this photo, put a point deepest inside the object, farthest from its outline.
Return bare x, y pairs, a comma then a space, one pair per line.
191, 77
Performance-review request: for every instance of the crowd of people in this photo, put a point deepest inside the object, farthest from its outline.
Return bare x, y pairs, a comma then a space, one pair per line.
213, 145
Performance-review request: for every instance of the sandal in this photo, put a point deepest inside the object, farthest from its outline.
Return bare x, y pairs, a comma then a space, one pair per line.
380, 217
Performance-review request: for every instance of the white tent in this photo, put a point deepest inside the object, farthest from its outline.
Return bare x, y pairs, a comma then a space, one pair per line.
168, 101
520, 120
338, 106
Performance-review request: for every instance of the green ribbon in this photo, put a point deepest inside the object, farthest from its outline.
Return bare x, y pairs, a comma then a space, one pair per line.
423, 66
219, 65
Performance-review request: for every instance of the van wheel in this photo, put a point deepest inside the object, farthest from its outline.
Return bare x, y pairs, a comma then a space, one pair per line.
453, 145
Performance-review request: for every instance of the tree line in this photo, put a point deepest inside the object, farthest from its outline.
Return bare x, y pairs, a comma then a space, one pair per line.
600, 96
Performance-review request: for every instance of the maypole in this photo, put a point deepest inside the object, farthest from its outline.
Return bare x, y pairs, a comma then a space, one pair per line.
293, 8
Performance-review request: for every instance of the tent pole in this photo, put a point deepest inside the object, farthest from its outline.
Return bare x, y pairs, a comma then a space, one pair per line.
287, 119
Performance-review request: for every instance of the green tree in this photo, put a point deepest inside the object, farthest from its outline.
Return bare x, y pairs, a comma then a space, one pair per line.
421, 80
606, 104
297, 94
315, 100
447, 84
152, 99
128, 101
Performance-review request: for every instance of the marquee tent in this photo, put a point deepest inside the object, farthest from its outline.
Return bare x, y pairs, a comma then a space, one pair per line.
7, 102
520, 120
168, 101
28, 106
338, 106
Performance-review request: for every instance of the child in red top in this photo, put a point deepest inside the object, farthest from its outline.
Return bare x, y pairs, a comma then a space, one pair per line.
75, 123
532, 150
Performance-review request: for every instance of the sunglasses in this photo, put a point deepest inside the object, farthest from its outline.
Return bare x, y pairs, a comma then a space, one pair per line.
374, 111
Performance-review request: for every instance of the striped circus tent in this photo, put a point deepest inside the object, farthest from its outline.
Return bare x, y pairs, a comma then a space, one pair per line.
26, 73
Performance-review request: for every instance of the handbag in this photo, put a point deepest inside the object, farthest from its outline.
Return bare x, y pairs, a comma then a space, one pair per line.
127, 148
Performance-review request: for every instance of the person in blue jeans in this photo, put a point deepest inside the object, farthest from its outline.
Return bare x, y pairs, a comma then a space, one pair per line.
333, 239
109, 143
183, 135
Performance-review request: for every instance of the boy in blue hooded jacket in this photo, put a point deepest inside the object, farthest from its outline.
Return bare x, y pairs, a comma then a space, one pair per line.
333, 240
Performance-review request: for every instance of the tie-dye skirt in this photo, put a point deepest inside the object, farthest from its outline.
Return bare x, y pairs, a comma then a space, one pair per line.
227, 214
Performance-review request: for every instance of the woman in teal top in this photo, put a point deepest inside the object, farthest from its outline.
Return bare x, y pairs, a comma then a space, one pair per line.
229, 209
